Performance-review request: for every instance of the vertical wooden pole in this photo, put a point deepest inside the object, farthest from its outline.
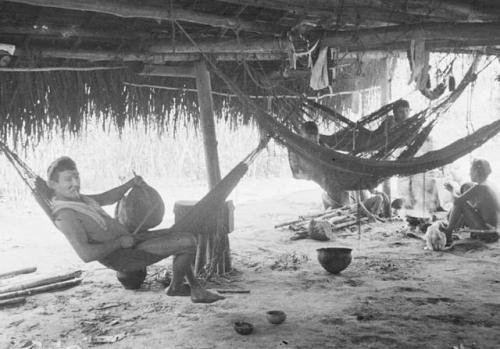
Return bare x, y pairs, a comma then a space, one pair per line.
207, 122
385, 97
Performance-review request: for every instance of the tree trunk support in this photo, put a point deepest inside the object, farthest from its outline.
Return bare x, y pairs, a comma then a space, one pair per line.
206, 246
385, 97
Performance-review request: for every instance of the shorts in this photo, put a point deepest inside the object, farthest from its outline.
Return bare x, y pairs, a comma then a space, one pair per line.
129, 259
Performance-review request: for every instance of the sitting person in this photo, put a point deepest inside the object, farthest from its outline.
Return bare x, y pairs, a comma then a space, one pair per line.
301, 167
401, 112
477, 207
96, 236
376, 202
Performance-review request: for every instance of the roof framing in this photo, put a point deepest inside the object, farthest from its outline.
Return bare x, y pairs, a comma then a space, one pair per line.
128, 10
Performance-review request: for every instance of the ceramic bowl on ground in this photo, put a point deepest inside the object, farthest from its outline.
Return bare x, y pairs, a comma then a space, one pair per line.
276, 316
131, 280
243, 327
334, 259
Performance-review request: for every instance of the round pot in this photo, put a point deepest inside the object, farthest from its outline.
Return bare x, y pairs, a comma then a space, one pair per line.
334, 259
243, 328
132, 280
276, 316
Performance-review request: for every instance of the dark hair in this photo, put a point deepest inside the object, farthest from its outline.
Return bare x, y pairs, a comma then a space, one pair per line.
466, 186
61, 164
310, 127
482, 167
400, 103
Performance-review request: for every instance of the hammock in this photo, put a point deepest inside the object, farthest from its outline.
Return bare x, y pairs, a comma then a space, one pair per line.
341, 171
192, 221
356, 138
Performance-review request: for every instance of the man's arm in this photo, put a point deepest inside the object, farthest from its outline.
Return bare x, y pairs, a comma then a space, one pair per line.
470, 194
111, 196
69, 224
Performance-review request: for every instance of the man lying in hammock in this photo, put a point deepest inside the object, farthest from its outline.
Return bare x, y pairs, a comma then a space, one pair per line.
401, 112
377, 203
477, 207
96, 236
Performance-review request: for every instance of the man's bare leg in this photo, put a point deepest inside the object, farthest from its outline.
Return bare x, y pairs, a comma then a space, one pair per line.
463, 213
183, 247
198, 293
182, 263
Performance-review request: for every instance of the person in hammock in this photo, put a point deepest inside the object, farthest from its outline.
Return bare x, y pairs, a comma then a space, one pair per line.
96, 236
401, 112
477, 207
376, 202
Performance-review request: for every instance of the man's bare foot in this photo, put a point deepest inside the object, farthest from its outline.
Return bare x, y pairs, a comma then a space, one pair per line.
200, 295
180, 291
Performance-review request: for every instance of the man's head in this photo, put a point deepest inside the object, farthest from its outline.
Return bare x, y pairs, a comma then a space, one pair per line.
480, 170
64, 179
309, 130
401, 109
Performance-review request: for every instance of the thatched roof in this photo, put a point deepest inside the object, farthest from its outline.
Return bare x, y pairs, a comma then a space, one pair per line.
83, 57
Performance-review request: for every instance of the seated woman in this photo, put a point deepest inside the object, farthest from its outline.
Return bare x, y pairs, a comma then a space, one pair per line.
477, 207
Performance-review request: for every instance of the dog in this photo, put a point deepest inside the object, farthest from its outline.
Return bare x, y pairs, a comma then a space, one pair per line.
435, 238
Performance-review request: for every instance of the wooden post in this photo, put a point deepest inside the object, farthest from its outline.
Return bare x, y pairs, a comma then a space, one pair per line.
205, 245
385, 97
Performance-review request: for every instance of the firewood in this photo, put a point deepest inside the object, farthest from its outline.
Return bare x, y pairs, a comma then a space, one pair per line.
12, 301
39, 282
232, 291
39, 289
349, 223
13, 273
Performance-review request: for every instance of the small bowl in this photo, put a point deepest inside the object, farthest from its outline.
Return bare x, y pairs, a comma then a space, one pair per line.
276, 316
334, 259
243, 328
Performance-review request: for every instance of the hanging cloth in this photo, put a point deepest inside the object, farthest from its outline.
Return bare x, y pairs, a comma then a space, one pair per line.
419, 64
319, 72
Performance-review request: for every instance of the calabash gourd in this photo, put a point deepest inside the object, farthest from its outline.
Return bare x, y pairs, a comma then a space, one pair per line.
142, 203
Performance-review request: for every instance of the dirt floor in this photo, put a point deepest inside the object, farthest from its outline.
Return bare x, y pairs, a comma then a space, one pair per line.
394, 294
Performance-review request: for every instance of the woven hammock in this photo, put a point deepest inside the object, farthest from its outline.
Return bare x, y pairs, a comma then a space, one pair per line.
355, 138
192, 221
334, 170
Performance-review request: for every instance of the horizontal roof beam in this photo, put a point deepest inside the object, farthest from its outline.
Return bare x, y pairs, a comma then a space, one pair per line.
138, 10
376, 38
159, 58
266, 45
392, 11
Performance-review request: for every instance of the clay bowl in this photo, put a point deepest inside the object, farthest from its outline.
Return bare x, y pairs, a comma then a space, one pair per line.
276, 316
132, 280
334, 259
243, 328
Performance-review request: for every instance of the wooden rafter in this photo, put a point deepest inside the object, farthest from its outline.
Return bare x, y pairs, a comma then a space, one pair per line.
130, 10
376, 38
103, 55
69, 31
389, 11
247, 46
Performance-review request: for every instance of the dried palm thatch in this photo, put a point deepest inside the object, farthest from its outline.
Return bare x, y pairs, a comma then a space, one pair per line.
34, 103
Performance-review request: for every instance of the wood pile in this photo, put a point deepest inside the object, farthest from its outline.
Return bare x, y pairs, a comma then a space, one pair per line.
339, 219
15, 293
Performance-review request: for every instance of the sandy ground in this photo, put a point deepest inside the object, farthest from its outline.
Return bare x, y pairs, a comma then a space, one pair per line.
394, 294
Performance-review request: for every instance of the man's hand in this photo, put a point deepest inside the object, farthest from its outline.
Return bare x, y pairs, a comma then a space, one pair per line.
137, 181
127, 241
